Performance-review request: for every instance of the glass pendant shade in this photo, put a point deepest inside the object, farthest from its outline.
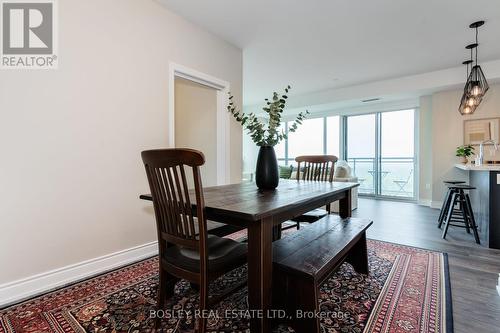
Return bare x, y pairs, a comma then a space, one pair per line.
466, 106
476, 86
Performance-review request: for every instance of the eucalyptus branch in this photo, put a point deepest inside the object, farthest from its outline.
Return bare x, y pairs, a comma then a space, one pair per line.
266, 133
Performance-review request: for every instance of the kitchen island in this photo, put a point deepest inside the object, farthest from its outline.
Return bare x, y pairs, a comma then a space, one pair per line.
485, 201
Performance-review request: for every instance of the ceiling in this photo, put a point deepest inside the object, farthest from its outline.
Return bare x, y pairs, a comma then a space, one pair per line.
317, 45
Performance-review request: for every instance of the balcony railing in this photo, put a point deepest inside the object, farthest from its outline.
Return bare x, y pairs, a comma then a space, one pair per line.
396, 175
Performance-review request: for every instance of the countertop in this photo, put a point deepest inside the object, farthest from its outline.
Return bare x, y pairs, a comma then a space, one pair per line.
484, 167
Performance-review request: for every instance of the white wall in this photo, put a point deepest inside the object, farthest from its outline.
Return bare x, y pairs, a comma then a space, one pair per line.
447, 134
70, 139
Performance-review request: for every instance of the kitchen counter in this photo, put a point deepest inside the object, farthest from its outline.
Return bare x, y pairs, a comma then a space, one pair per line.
484, 167
485, 200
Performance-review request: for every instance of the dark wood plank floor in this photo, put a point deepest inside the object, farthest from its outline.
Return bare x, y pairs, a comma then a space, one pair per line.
473, 269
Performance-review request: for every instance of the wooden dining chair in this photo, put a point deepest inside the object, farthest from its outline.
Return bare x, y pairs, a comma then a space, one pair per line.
186, 251
313, 168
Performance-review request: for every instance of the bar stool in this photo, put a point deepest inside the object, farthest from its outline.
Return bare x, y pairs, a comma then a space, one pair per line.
447, 200
463, 214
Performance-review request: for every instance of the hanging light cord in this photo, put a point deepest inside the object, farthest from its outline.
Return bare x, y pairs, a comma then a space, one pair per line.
471, 62
477, 47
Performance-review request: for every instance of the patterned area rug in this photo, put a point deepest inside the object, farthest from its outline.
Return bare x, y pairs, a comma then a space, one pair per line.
407, 290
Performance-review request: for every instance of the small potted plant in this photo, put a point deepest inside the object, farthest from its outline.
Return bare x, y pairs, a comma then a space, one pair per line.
265, 133
465, 152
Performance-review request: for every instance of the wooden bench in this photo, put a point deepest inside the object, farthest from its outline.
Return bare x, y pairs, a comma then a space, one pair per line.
306, 258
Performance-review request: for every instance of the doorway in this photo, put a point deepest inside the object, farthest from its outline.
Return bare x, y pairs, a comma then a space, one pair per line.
381, 149
195, 85
195, 121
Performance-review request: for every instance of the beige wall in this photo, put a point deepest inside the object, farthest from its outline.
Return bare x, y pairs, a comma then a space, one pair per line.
447, 133
425, 150
195, 120
70, 139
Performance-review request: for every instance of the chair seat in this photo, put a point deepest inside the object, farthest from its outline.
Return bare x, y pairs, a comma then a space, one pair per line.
454, 182
461, 187
311, 216
223, 255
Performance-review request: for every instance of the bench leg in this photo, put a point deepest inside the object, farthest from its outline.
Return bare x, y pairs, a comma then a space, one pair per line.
303, 304
358, 256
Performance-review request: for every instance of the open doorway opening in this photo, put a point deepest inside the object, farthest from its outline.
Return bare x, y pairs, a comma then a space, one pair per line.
195, 123
199, 124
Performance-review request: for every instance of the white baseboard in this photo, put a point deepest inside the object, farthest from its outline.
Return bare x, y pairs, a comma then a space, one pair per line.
425, 202
436, 204
430, 203
16, 291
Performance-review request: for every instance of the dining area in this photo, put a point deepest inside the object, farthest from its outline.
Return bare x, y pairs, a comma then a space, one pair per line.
284, 271
177, 169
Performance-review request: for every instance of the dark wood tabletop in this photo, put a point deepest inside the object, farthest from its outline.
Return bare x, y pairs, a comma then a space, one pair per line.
262, 212
245, 202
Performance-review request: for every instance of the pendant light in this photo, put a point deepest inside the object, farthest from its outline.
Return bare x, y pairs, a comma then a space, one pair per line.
467, 105
476, 85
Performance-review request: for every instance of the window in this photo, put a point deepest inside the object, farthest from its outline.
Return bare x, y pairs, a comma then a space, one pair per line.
333, 136
381, 150
280, 149
316, 136
361, 150
397, 153
307, 140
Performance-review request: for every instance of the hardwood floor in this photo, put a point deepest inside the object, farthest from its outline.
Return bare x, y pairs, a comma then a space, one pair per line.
473, 269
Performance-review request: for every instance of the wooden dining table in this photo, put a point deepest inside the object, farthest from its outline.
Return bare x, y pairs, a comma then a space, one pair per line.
260, 212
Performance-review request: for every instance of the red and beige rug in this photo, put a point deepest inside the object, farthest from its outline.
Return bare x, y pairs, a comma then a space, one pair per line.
407, 290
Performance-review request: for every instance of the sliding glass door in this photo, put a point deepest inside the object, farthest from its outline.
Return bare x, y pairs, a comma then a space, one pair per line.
361, 150
381, 149
397, 153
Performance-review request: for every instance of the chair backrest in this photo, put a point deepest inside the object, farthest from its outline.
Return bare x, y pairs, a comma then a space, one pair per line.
175, 219
316, 167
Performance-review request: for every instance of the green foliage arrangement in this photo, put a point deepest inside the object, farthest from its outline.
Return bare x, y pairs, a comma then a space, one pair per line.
465, 151
266, 132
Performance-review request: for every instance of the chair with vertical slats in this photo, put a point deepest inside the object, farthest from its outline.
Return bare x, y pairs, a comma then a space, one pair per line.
186, 251
314, 168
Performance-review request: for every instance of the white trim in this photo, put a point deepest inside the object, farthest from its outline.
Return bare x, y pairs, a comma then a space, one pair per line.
223, 119
416, 152
15, 291
436, 204
425, 202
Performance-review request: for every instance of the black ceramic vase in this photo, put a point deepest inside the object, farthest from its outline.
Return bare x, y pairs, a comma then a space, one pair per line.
267, 174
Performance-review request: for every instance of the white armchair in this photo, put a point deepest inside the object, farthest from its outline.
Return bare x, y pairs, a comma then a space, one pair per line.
344, 173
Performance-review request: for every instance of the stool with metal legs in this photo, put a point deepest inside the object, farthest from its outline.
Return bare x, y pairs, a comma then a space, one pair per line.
460, 211
447, 200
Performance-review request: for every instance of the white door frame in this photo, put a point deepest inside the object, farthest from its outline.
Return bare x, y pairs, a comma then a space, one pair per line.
223, 120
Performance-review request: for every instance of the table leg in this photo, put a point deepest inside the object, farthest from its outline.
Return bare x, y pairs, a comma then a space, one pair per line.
345, 205
276, 232
260, 272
